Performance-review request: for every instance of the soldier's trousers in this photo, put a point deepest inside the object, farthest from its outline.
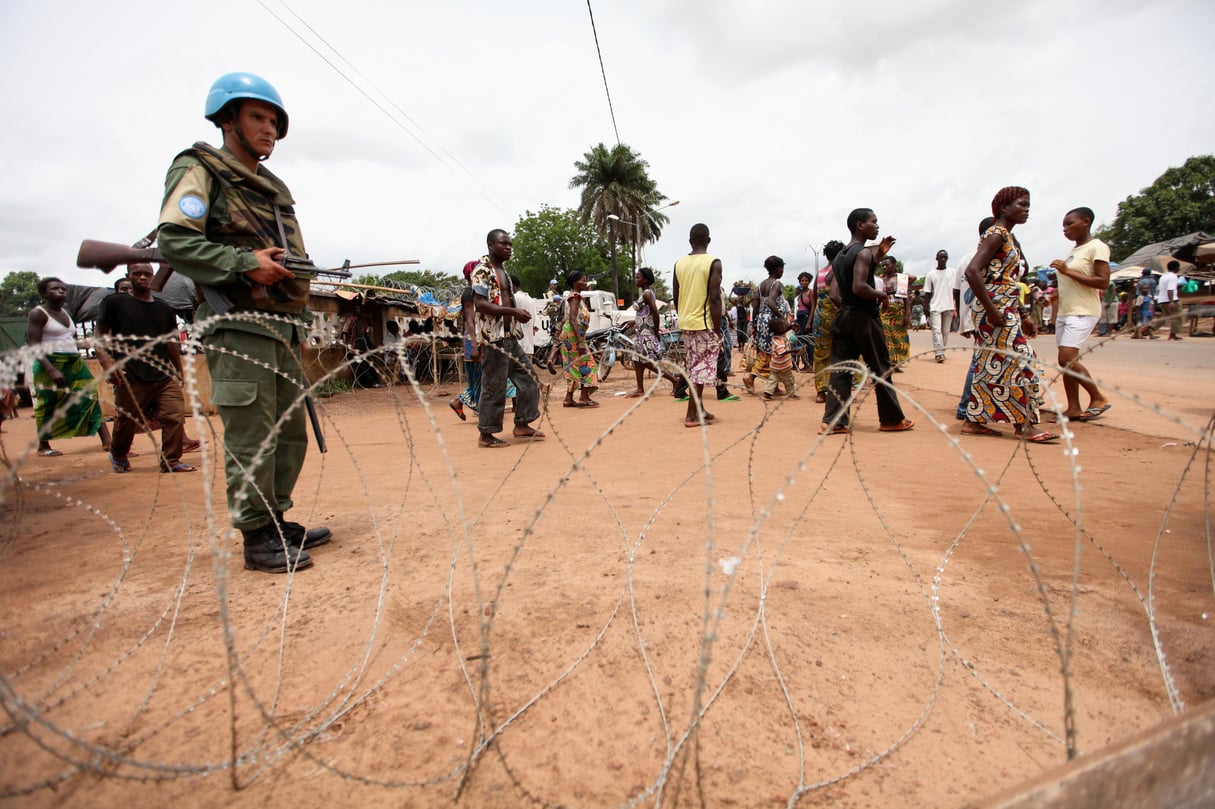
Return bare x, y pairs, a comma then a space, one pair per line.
257, 386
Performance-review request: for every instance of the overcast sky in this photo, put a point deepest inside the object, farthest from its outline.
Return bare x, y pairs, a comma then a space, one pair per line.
768, 121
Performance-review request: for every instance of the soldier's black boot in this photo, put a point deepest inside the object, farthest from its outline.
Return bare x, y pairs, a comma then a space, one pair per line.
264, 551
300, 537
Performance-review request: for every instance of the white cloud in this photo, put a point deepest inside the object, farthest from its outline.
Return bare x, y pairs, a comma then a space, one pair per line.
768, 121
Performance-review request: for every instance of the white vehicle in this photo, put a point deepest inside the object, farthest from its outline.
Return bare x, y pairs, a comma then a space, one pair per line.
603, 311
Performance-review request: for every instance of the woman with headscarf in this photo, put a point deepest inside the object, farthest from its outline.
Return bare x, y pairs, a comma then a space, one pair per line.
67, 405
1006, 386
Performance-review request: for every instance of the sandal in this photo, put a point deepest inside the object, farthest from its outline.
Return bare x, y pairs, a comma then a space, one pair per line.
902, 427
980, 429
191, 445
493, 443
1092, 413
588, 403
534, 435
117, 465
826, 429
1041, 438
49, 453
457, 407
178, 467
572, 404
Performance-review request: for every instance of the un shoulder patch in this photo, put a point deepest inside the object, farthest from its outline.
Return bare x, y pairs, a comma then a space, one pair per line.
192, 206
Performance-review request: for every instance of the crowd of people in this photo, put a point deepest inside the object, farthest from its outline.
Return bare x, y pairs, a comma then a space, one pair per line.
859, 309
230, 225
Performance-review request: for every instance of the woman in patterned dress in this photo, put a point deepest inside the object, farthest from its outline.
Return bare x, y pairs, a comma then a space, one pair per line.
66, 403
1006, 386
824, 313
581, 370
648, 339
768, 304
895, 317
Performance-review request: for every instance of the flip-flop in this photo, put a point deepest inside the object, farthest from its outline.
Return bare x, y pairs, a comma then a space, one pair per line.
179, 467
534, 435
637, 394
1042, 438
493, 443
827, 429
981, 429
591, 403
457, 407
119, 466
190, 446
49, 453
902, 427
749, 383
1092, 413
572, 404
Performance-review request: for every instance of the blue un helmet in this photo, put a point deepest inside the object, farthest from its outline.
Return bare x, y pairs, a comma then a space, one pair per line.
235, 86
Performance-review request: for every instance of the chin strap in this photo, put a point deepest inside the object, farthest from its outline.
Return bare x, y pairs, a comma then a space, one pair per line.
240, 135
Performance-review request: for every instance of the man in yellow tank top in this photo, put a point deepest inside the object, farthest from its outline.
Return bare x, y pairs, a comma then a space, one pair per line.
697, 292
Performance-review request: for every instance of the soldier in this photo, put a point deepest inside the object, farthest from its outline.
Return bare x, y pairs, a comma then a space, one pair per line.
227, 223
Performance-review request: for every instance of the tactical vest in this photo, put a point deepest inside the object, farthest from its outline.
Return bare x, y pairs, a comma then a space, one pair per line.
251, 199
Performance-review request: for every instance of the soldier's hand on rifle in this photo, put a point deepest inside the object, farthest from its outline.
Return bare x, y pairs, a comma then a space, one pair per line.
268, 269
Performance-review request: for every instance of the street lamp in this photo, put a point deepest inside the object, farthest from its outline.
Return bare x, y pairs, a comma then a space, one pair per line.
816, 252
636, 240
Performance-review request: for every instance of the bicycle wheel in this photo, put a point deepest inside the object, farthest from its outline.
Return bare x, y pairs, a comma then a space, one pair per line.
626, 353
606, 357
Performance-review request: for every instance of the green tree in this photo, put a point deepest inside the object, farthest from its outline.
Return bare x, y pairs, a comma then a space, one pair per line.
616, 182
18, 293
1180, 201
551, 242
660, 288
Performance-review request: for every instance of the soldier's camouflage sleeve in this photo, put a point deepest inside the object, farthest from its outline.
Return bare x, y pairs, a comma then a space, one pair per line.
182, 236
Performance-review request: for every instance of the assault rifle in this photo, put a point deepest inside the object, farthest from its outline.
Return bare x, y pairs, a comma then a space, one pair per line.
105, 256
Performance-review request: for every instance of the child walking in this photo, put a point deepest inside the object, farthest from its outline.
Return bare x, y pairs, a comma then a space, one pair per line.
781, 364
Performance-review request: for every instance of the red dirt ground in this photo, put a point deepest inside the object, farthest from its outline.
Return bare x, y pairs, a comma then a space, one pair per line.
556, 613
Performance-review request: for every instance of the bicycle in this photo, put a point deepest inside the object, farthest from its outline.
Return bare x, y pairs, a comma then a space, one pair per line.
802, 350
606, 345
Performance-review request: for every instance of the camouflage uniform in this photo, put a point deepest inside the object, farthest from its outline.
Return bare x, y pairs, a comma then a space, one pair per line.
215, 214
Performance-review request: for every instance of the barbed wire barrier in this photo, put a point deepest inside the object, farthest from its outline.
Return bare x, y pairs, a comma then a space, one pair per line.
632, 617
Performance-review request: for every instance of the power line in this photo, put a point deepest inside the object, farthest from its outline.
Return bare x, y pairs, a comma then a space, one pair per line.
482, 188
603, 72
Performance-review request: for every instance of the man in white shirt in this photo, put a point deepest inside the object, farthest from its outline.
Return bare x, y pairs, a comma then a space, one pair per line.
1167, 300
1082, 278
940, 284
528, 304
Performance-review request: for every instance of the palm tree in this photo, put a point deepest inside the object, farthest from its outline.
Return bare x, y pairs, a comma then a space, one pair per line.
616, 182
